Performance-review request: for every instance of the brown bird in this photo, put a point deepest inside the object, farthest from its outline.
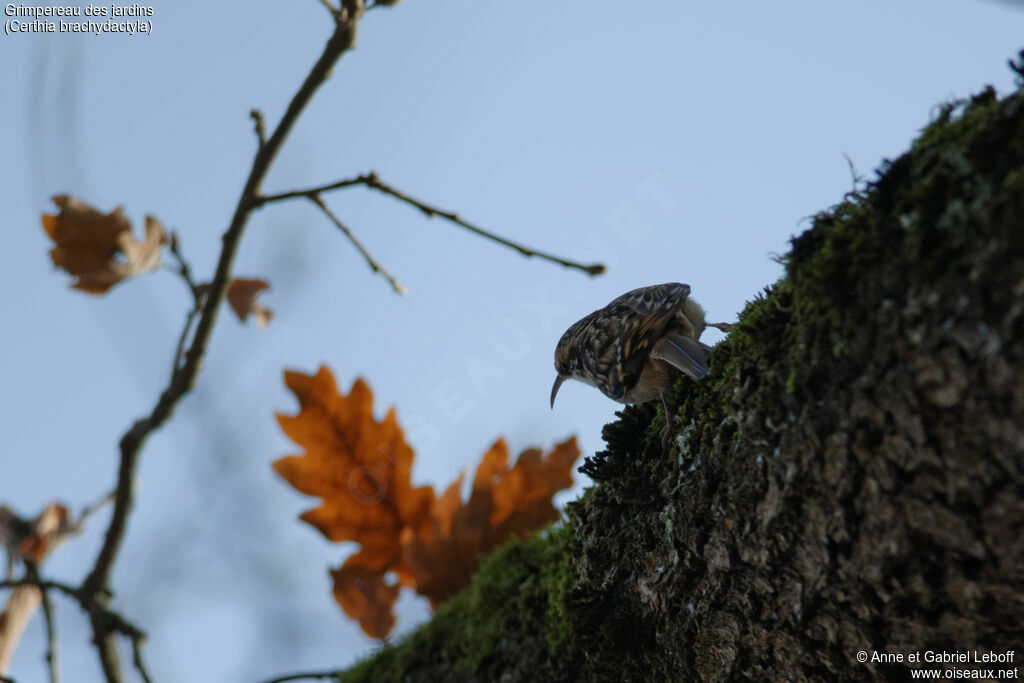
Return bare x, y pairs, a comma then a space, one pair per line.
634, 348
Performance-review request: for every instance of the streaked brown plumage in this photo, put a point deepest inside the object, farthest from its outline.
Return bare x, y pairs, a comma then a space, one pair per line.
634, 348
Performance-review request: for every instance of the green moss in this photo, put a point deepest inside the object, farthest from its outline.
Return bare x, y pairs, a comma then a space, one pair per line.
516, 596
791, 381
957, 121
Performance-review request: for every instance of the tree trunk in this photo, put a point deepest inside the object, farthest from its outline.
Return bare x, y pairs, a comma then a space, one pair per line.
849, 479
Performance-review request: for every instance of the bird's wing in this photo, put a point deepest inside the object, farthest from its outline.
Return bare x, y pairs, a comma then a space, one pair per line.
650, 299
633, 323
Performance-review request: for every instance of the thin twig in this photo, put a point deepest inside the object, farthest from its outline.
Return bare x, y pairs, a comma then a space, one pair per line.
179, 351
42, 584
349, 182
140, 666
51, 638
185, 270
372, 181
260, 124
311, 675
98, 612
32, 571
90, 510
431, 212
330, 8
117, 622
374, 266
94, 591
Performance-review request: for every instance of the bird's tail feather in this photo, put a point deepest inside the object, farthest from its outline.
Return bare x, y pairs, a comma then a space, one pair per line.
691, 357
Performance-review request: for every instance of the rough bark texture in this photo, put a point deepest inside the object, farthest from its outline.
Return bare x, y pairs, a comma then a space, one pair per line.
849, 478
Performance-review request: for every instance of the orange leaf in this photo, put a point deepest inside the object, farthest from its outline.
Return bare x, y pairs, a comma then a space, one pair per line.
100, 250
360, 468
504, 503
242, 295
365, 596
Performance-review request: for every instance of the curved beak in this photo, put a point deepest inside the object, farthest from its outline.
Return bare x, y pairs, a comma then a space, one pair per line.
554, 389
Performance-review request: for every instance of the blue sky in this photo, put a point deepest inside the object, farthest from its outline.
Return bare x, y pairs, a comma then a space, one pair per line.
673, 141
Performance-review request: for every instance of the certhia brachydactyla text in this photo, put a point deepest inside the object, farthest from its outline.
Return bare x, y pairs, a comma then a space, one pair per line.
634, 348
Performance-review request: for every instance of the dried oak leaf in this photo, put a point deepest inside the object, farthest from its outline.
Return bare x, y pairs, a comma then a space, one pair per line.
99, 249
365, 595
242, 295
33, 539
504, 503
360, 468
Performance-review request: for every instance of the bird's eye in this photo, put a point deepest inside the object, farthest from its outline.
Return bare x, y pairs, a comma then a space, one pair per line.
563, 368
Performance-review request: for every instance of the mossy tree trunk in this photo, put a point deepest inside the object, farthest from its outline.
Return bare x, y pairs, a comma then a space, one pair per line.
850, 478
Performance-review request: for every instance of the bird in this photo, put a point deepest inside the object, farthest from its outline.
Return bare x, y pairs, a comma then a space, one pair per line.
633, 349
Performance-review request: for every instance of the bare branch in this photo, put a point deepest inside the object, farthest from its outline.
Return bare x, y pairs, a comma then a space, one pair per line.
179, 351
309, 675
41, 584
260, 126
51, 639
32, 571
140, 666
431, 212
330, 8
94, 591
372, 181
269, 198
374, 266
117, 622
184, 269
104, 619
90, 510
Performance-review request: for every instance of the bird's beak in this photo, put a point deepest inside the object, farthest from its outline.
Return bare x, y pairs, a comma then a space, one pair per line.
554, 389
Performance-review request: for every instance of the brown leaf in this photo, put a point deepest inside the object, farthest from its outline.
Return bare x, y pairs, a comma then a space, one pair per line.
100, 250
504, 503
33, 539
360, 468
364, 595
242, 294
